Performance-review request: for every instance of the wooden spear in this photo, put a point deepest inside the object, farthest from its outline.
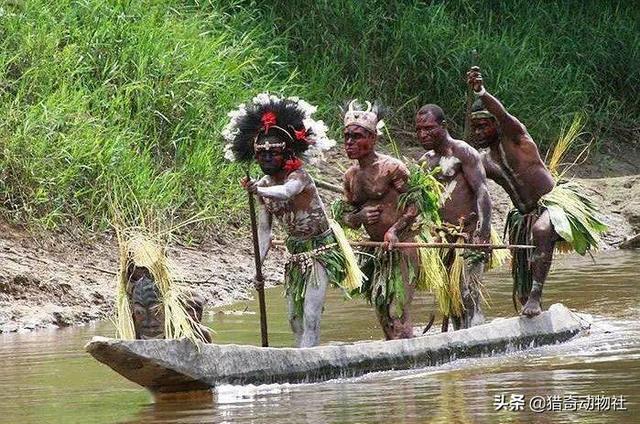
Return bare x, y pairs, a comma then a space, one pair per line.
412, 245
258, 263
469, 99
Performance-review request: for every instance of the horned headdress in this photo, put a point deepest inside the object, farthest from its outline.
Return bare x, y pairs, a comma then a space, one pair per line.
370, 118
288, 119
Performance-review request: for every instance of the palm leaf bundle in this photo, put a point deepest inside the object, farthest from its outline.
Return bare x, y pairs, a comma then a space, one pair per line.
425, 192
353, 275
574, 217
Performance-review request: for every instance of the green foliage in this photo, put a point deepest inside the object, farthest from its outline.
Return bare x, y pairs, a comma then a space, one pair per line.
545, 60
425, 192
127, 99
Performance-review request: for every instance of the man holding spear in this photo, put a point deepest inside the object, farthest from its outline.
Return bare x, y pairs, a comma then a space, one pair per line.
278, 132
546, 211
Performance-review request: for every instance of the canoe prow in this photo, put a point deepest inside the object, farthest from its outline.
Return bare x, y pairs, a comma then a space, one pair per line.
170, 366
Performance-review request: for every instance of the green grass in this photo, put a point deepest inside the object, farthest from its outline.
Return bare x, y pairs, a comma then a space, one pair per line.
545, 60
102, 99
126, 99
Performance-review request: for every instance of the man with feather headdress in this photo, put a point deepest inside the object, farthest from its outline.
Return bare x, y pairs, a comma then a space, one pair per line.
279, 133
546, 211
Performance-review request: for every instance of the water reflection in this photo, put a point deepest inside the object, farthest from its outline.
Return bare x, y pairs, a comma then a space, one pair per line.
47, 377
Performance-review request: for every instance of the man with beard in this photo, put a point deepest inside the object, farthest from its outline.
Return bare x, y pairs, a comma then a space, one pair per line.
546, 211
277, 132
466, 207
372, 189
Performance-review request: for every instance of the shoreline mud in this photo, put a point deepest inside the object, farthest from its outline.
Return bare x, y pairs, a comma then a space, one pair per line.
62, 282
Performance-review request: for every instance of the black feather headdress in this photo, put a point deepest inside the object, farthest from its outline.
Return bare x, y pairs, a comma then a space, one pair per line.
288, 119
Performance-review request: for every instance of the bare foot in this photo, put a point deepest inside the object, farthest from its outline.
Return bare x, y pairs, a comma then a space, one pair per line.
532, 308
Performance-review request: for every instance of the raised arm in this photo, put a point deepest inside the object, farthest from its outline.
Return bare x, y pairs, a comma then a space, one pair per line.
509, 123
476, 178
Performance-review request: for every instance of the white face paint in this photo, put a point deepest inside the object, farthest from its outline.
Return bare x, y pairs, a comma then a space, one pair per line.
447, 164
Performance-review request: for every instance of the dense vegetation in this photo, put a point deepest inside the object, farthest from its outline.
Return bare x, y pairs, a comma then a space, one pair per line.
104, 100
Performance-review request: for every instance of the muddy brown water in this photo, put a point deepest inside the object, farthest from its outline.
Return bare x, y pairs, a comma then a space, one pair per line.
46, 377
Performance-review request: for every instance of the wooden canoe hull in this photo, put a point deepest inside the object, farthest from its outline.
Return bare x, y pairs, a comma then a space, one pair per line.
171, 366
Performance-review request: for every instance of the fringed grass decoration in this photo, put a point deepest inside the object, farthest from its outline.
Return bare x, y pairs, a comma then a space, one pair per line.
432, 271
138, 247
353, 276
456, 274
433, 274
563, 145
143, 235
518, 227
124, 321
385, 284
574, 217
333, 252
498, 256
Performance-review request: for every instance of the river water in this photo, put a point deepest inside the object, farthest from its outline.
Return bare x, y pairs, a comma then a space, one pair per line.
46, 377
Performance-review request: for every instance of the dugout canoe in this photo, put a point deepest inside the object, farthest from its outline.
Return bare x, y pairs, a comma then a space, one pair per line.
172, 366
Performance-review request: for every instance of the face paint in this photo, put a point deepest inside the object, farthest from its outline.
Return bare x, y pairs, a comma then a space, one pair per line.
358, 142
485, 132
430, 133
269, 153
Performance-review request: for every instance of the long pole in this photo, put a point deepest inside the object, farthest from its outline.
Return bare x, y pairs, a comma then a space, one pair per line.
408, 245
469, 99
258, 263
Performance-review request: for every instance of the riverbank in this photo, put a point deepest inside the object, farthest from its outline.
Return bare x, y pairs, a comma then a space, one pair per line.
57, 281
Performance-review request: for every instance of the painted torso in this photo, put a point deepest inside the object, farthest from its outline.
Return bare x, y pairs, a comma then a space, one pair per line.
460, 205
518, 168
303, 215
381, 183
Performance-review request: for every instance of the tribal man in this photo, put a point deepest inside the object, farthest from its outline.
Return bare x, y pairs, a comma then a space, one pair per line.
466, 207
545, 211
372, 189
277, 132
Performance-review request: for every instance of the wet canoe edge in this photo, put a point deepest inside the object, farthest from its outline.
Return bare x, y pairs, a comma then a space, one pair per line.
173, 366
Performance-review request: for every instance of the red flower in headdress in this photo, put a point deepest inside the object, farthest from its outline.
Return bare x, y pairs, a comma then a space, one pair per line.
292, 164
268, 120
301, 134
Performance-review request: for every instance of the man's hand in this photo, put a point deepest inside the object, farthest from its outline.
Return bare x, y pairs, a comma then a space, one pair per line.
474, 79
391, 238
478, 239
250, 185
370, 214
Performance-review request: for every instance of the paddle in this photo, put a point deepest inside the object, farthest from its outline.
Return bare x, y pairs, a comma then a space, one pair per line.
258, 263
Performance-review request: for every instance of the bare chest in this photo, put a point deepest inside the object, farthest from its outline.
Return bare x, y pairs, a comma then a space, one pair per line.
367, 186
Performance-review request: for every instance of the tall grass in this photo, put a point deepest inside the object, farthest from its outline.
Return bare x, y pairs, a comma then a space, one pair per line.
545, 60
127, 98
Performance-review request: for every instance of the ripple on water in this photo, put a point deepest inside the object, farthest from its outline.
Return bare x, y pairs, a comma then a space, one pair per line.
47, 377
